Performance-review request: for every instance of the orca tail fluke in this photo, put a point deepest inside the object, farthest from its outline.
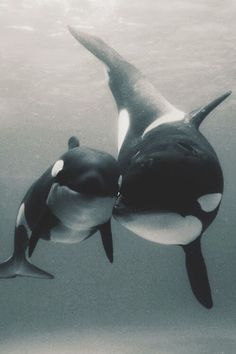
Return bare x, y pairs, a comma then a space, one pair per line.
8, 269
97, 47
14, 267
132, 91
197, 273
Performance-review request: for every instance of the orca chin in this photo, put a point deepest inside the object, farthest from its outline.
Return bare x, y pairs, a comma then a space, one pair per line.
122, 210
163, 226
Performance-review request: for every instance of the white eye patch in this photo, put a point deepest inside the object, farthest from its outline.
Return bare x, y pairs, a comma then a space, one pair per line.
57, 167
210, 202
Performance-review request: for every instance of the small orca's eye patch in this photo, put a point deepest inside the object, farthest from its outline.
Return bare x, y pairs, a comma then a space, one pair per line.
57, 167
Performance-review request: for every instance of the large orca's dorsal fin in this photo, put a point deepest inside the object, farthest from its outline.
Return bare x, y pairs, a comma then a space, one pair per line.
197, 116
131, 90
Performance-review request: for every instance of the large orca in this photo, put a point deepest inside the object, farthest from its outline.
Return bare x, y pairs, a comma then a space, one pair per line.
172, 182
72, 200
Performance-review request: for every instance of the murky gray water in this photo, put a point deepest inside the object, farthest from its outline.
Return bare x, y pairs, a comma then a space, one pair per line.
51, 88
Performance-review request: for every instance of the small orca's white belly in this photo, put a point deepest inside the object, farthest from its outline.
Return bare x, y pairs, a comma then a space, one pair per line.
164, 227
63, 234
78, 213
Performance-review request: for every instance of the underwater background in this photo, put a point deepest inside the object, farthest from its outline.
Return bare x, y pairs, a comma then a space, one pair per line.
52, 88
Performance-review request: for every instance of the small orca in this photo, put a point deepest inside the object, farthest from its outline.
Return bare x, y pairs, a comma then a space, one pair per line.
172, 182
72, 200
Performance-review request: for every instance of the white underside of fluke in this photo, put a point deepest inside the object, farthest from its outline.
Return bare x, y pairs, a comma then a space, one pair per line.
172, 116
163, 227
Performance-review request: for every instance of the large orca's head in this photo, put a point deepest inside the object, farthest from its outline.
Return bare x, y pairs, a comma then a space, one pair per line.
174, 166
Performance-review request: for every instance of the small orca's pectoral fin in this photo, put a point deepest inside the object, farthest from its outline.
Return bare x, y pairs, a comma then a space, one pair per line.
197, 273
32, 243
45, 223
106, 235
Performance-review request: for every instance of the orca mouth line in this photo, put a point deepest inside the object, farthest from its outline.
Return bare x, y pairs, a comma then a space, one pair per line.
121, 209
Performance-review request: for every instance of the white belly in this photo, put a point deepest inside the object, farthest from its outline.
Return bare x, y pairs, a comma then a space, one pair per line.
164, 227
77, 211
64, 234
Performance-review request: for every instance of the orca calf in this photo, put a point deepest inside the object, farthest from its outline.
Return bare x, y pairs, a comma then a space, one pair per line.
172, 182
72, 200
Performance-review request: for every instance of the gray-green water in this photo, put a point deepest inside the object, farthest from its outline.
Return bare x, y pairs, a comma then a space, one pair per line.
50, 88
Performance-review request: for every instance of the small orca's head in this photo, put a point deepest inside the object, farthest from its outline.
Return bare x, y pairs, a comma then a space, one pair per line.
87, 171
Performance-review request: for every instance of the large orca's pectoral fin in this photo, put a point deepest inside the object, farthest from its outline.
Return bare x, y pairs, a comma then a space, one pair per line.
197, 273
42, 228
106, 235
